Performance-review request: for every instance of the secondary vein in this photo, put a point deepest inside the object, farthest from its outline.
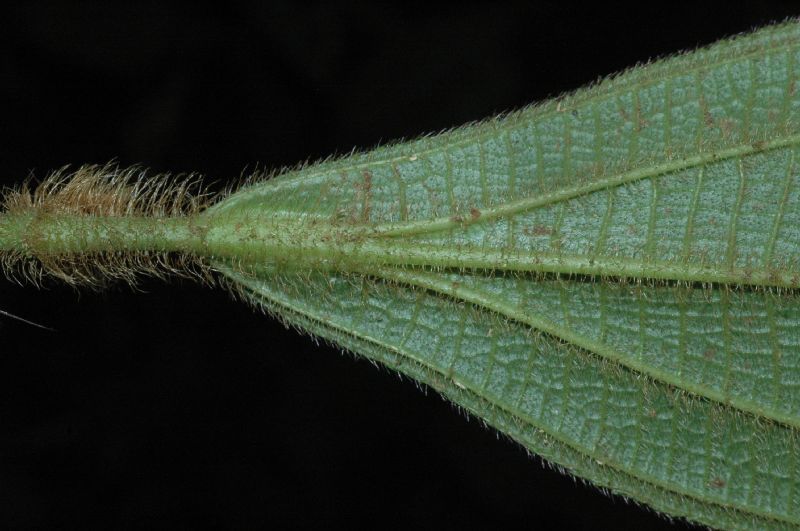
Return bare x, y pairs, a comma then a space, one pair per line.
511, 208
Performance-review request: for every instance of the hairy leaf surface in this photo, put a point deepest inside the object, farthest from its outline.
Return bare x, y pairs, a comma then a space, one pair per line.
610, 278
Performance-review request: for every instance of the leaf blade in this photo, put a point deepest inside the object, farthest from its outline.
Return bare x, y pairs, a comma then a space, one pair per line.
707, 468
680, 177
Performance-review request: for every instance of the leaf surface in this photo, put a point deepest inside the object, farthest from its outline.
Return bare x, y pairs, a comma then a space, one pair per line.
609, 278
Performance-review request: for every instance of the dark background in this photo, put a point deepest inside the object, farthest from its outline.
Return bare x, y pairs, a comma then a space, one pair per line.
176, 405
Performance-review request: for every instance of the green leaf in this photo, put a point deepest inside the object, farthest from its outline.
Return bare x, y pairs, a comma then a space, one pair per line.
610, 278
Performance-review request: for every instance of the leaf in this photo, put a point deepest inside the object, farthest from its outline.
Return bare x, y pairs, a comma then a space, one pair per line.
610, 278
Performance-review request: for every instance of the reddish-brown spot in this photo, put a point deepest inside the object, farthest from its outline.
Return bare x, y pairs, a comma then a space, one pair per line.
717, 483
709, 353
366, 195
708, 118
474, 213
542, 230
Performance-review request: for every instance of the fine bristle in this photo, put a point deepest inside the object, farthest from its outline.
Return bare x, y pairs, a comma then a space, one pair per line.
105, 191
108, 190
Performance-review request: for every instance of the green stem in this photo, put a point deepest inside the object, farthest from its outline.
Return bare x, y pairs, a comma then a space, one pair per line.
53, 235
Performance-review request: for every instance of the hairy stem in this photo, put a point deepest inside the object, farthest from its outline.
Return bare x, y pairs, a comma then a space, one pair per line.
48, 236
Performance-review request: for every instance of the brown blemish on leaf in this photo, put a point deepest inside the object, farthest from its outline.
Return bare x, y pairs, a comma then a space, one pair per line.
708, 118
364, 190
540, 230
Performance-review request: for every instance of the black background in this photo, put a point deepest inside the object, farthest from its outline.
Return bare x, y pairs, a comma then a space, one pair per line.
176, 405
